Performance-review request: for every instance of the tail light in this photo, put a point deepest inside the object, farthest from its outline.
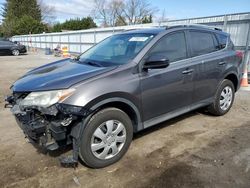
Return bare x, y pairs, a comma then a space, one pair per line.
239, 54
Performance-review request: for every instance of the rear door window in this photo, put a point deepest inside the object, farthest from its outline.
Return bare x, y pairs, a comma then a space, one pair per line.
202, 43
222, 39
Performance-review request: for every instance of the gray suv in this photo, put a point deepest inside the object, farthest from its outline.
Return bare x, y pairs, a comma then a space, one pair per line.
124, 84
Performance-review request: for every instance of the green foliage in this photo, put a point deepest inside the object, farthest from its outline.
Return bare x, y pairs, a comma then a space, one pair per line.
57, 28
21, 17
75, 24
147, 19
1, 31
27, 24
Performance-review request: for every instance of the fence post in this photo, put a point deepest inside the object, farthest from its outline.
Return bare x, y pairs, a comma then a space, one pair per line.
246, 56
68, 43
60, 41
94, 36
225, 23
80, 42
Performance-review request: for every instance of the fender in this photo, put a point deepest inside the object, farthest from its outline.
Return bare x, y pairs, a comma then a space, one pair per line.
96, 106
234, 72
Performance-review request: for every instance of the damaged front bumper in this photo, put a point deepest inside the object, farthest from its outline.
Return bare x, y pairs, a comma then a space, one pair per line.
49, 128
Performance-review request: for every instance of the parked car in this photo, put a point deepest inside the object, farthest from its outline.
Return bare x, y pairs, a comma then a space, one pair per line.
9, 47
124, 84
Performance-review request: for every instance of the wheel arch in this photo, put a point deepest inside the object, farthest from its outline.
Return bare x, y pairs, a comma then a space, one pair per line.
123, 104
234, 79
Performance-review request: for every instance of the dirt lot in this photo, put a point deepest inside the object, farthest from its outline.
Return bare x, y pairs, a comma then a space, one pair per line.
194, 150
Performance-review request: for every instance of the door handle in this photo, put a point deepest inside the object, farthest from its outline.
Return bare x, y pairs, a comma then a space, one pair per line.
222, 63
188, 71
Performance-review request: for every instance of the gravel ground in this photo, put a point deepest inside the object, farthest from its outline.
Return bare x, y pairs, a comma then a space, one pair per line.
193, 150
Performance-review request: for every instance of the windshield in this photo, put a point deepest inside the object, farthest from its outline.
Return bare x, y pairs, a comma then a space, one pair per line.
116, 50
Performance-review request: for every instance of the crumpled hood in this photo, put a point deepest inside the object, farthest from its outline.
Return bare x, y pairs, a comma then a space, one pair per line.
58, 75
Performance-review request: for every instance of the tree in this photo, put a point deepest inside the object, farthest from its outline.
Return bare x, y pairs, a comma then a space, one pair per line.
127, 12
48, 12
1, 31
57, 27
75, 24
137, 10
120, 21
14, 9
147, 19
18, 16
27, 24
108, 12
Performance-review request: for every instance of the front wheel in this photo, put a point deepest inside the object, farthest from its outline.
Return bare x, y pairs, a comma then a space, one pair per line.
15, 52
106, 138
224, 98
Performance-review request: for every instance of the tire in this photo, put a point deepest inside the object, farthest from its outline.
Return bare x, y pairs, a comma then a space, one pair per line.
112, 141
15, 52
219, 108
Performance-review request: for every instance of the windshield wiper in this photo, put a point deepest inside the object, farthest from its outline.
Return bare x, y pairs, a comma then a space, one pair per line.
92, 63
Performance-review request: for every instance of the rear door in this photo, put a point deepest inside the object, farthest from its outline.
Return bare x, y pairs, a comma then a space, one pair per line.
211, 64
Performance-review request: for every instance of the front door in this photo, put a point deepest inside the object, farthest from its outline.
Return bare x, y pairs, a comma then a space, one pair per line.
170, 89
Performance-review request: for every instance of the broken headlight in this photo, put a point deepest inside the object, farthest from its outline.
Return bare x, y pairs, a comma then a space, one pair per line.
46, 98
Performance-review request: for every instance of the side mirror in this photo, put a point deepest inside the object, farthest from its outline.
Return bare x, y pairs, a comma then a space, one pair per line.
156, 62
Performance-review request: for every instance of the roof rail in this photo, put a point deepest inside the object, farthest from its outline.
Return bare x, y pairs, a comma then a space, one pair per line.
193, 25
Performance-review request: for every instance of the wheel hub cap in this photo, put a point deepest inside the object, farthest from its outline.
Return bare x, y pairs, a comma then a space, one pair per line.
226, 98
108, 139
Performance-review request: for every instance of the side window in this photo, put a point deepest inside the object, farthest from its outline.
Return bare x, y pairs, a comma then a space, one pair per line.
222, 39
173, 46
202, 43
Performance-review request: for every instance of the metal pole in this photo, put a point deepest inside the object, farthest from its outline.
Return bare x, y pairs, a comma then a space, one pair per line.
80, 42
95, 36
68, 43
225, 23
246, 49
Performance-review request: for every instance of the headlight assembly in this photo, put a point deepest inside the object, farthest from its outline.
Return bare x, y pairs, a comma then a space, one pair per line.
46, 98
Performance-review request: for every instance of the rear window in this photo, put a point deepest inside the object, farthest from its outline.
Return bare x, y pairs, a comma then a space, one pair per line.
202, 43
222, 39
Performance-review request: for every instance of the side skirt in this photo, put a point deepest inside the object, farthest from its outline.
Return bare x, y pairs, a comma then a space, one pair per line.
176, 113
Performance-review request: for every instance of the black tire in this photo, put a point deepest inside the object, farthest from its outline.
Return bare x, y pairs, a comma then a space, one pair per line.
215, 107
96, 120
15, 52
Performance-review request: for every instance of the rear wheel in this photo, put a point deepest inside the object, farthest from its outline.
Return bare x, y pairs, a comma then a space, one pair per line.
224, 98
106, 138
15, 52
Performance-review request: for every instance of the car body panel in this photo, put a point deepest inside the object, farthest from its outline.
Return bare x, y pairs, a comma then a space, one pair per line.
55, 76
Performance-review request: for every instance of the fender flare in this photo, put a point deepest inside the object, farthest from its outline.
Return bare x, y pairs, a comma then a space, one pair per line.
123, 100
78, 129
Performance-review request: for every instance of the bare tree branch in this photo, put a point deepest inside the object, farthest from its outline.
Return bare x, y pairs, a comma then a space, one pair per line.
136, 10
47, 11
118, 12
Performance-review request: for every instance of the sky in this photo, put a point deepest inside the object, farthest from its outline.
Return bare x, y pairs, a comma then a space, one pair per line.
174, 9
